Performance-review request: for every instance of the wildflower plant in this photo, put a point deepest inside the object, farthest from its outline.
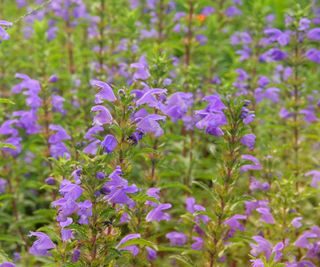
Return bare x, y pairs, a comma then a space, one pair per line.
159, 133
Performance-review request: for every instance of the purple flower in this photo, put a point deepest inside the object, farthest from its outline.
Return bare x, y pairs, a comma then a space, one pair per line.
7, 264
192, 207
176, 238
208, 10
257, 263
42, 245
106, 92
75, 255
254, 166
119, 189
266, 215
257, 185
198, 243
132, 248
151, 97
3, 34
275, 54
313, 55
149, 124
57, 104
309, 115
304, 24
177, 105
248, 140
60, 134
232, 11
109, 143
296, 222
315, 178
233, 222
66, 234
3, 185
50, 181
152, 254
103, 116
314, 34
157, 213
33, 89
142, 72
84, 211
262, 246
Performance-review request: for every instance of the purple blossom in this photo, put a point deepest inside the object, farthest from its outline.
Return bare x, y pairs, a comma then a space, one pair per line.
109, 143
157, 213
257, 185
233, 222
42, 245
3, 34
151, 98
296, 222
176, 238
103, 116
254, 166
3, 185
152, 254
315, 178
142, 72
248, 140
105, 93
266, 215
262, 246
197, 244
177, 105
7, 264
313, 55
149, 124
132, 248
119, 189
314, 34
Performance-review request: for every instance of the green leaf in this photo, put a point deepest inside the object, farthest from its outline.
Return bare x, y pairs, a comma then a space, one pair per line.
6, 101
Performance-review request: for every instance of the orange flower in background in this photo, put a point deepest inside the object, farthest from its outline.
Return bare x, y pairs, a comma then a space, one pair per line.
201, 18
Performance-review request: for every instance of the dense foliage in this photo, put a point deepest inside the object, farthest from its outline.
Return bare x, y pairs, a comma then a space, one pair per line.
159, 133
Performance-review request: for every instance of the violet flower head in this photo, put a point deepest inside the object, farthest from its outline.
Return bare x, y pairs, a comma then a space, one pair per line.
314, 34
151, 254
7, 264
157, 213
103, 115
177, 105
109, 143
3, 34
152, 97
119, 188
42, 245
262, 246
150, 124
105, 93
176, 238
266, 215
142, 71
233, 222
296, 222
248, 140
255, 165
3, 185
198, 243
315, 178
132, 248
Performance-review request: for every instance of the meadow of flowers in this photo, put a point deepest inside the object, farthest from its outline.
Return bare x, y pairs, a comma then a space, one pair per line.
159, 133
